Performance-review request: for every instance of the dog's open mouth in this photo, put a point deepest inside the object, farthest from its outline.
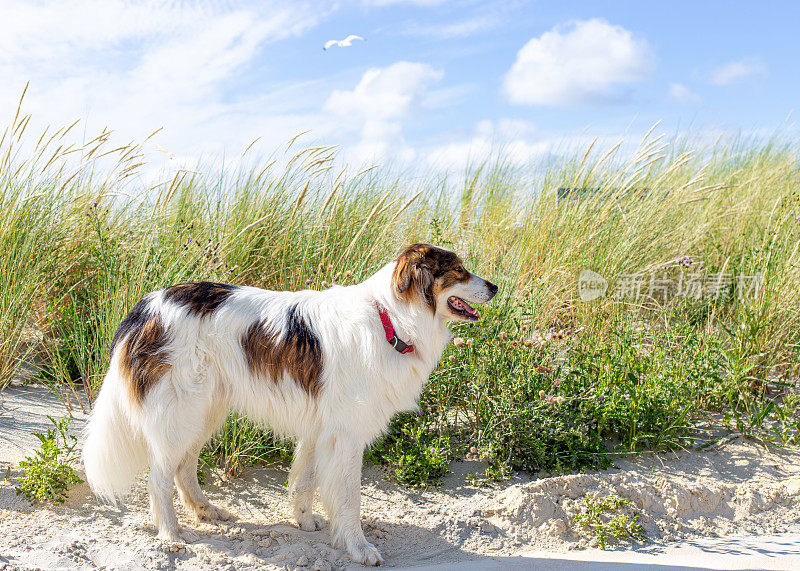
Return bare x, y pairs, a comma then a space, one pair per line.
462, 308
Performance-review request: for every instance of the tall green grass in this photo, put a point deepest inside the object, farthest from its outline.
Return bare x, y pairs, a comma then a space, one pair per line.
84, 236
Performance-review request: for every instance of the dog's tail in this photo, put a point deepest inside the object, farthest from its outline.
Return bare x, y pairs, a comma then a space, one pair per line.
115, 451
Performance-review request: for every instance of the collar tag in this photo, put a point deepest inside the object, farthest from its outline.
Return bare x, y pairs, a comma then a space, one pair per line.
399, 345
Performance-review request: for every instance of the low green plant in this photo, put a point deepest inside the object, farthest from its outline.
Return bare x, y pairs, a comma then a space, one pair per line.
610, 518
492, 474
558, 401
416, 453
238, 444
48, 473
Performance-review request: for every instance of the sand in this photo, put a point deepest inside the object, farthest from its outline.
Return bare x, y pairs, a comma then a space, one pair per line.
732, 505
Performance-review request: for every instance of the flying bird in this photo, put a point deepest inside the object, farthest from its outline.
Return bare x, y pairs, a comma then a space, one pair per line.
347, 42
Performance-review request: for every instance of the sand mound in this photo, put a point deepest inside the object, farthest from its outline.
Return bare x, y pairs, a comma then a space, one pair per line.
734, 488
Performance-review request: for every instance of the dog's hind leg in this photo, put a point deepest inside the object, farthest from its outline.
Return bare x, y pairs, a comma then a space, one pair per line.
191, 494
174, 424
338, 463
186, 476
159, 485
302, 486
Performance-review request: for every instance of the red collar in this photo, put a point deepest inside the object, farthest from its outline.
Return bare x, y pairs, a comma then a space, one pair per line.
399, 345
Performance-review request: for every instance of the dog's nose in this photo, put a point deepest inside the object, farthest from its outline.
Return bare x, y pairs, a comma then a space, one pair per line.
491, 287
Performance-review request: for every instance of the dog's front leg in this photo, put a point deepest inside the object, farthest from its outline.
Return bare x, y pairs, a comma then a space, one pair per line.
338, 459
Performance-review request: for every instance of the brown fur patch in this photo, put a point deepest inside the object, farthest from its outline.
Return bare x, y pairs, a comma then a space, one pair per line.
200, 298
143, 357
427, 271
135, 320
296, 353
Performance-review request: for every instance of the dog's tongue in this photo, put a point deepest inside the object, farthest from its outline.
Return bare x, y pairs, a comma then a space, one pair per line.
464, 306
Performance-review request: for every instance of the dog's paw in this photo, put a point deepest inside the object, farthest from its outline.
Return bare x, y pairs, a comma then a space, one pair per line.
366, 554
178, 535
308, 521
208, 512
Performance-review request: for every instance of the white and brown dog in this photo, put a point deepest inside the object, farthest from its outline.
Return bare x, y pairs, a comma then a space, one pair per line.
328, 368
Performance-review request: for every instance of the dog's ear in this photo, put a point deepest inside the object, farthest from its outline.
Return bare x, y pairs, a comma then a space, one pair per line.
423, 278
414, 269
401, 277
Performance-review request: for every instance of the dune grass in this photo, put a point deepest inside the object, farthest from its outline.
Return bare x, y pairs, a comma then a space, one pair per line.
546, 381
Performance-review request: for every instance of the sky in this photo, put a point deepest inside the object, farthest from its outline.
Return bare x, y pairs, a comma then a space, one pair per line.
435, 84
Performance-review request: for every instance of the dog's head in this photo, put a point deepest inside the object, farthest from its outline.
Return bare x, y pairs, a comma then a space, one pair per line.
437, 277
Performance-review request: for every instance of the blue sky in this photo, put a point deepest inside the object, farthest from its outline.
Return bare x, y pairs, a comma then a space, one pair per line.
434, 84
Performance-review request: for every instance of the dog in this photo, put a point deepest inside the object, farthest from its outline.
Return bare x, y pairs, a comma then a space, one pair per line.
327, 368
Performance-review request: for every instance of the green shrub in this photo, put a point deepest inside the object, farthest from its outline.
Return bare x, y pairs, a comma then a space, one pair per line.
48, 473
610, 518
417, 454
565, 401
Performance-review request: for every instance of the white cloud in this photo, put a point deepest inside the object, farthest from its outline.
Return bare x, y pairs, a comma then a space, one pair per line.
736, 71
513, 140
385, 93
138, 66
378, 104
442, 97
683, 94
42, 33
583, 62
459, 29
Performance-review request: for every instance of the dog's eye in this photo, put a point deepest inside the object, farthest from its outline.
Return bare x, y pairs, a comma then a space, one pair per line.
460, 269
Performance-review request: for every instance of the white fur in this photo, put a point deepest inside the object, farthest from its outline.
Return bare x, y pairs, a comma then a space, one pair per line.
363, 378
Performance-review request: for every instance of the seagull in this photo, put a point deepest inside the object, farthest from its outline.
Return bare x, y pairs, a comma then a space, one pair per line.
345, 43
